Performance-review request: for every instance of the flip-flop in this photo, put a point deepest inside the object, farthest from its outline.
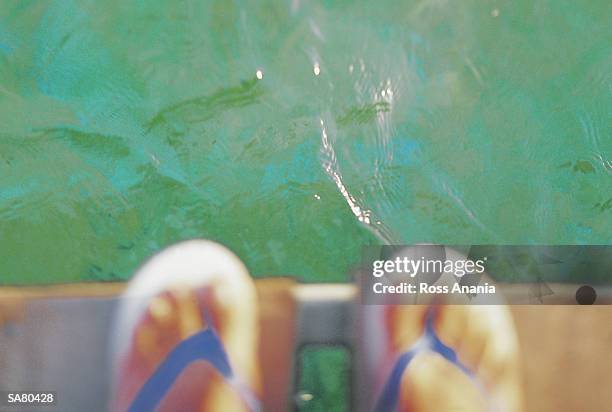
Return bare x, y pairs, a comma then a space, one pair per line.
203, 346
185, 324
428, 342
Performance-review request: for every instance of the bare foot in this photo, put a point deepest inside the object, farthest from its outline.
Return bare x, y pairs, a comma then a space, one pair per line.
485, 342
179, 292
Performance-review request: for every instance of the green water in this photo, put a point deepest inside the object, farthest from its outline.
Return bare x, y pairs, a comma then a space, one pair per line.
324, 380
129, 125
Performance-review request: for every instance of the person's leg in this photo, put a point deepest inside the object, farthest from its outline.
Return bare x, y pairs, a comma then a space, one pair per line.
179, 292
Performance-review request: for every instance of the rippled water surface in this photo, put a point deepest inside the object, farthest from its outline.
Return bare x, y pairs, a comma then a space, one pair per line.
297, 132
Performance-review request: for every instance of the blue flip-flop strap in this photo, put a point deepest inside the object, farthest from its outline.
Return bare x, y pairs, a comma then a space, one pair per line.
429, 341
204, 345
